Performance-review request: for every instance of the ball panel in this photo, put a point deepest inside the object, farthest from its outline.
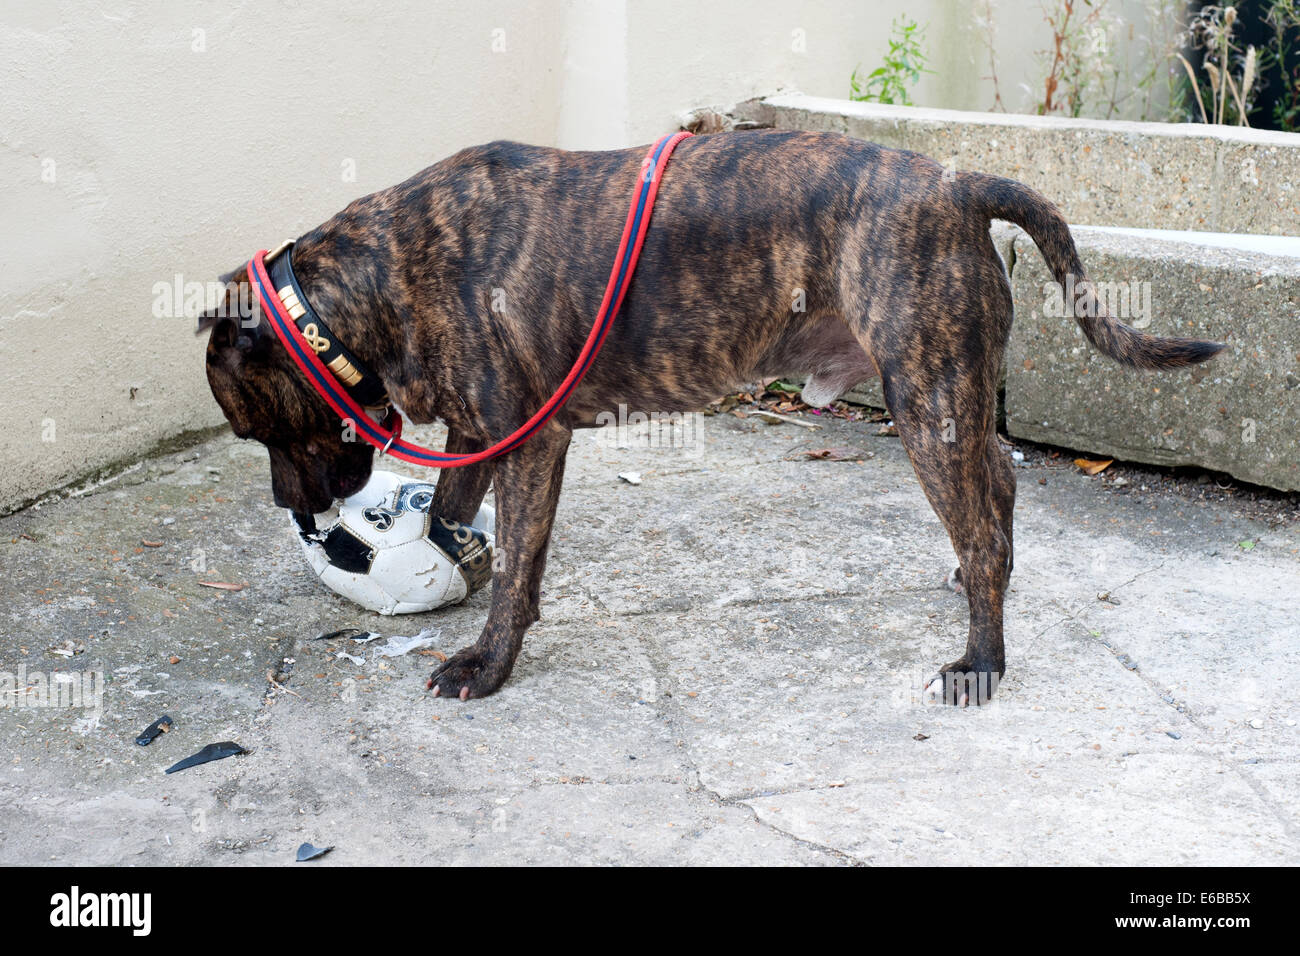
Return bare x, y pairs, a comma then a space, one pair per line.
383, 550
359, 588
466, 547
346, 551
415, 572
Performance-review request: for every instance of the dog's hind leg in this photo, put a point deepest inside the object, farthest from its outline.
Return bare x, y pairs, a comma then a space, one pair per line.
945, 422
1004, 495
937, 338
1004, 504
527, 488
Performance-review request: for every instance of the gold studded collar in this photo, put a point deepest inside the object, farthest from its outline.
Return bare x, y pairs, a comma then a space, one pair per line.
364, 386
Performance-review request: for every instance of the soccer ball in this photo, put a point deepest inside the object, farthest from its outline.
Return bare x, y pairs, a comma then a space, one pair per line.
383, 549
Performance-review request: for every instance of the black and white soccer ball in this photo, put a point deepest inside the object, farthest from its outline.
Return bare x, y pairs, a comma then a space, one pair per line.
383, 549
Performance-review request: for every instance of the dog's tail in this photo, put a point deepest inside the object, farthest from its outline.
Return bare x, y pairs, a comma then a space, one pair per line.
999, 198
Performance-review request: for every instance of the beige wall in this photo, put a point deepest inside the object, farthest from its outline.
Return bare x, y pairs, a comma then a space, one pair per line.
141, 141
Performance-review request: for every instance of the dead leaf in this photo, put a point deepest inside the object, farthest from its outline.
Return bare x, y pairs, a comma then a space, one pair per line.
841, 453
1089, 467
223, 585
151, 544
442, 658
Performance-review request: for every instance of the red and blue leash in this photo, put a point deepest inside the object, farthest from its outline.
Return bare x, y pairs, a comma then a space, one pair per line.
389, 440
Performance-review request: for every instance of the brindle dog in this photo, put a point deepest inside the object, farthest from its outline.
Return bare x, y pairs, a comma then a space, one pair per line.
899, 276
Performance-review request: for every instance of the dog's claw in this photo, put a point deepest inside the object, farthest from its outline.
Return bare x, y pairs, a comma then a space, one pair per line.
937, 688
468, 673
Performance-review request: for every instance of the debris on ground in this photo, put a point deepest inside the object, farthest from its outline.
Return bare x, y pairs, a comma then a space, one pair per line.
1090, 467
839, 453
772, 418
223, 585
217, 751
1278, 509
270, 678
631, 477
308, 852
782, 398
150, 733
349, 632
398, 645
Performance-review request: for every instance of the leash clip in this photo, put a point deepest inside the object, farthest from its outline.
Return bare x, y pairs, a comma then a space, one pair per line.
393, 421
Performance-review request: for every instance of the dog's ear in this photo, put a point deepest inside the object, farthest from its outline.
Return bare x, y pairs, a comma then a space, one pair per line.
207, 320
225, 333
236, 292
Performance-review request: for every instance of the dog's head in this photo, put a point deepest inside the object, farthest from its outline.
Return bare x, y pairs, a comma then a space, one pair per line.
266, 397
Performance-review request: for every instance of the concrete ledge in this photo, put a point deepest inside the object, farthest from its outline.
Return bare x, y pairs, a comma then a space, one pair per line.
1149, 175
1236, 414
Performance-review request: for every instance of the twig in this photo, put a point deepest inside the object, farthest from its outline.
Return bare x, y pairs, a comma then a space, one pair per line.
784, 418
270, 676
1196, 88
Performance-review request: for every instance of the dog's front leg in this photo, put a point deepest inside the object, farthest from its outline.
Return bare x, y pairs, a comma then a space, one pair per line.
460, 490
527, 484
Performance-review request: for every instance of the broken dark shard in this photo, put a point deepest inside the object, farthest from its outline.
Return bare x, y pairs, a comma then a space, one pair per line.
150, 733
336, 635
308, 852
217, 751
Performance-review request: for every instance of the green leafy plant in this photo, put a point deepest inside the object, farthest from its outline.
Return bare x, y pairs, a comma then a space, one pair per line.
903, 66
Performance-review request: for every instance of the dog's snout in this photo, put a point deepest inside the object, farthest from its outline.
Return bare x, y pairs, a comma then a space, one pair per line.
348, 485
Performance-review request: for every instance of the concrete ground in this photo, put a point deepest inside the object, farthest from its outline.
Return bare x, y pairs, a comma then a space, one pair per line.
727, 671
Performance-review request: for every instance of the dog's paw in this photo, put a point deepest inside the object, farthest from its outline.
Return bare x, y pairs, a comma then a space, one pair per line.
953, 581
467, 673
963, 683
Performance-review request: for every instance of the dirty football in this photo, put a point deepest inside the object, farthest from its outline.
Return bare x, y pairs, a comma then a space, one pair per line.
383, 549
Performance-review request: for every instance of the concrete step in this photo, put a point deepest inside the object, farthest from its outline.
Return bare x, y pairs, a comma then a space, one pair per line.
1235, 414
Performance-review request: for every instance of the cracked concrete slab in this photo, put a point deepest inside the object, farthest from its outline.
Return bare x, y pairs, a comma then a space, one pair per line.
727, 670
